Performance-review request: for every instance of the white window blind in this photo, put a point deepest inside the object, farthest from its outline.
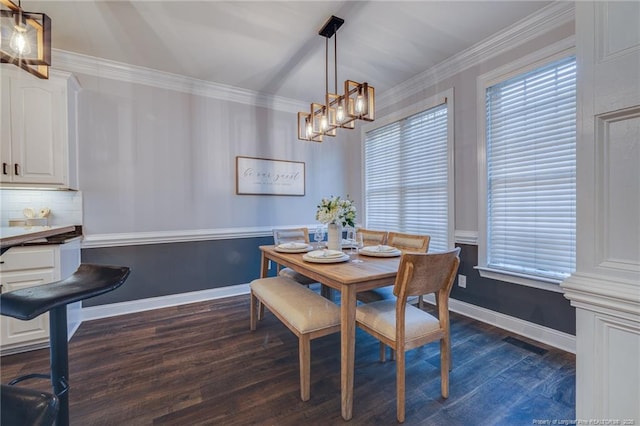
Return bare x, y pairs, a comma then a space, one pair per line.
406, 176
531, 172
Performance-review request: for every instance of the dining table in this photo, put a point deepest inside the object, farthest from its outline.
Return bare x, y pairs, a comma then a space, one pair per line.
348, 278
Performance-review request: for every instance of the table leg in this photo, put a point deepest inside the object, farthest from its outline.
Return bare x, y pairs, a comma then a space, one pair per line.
264, 267
264, 272
348, 347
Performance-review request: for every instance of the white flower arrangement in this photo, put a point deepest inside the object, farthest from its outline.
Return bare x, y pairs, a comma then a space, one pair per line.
336, 210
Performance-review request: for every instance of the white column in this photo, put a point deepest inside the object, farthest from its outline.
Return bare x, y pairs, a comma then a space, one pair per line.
606, 286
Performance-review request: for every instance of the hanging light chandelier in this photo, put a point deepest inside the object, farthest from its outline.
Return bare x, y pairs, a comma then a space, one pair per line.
25, 39
338, 111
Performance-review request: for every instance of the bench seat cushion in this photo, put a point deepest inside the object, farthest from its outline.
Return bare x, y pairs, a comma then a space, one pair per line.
304, 309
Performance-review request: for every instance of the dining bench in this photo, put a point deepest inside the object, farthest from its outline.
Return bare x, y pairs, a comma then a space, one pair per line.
306, 313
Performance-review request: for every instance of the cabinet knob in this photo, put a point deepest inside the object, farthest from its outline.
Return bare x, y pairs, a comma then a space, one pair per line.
4, 169
15, 168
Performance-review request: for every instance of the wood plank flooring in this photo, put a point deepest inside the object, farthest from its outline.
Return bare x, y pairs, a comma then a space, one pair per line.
199, 364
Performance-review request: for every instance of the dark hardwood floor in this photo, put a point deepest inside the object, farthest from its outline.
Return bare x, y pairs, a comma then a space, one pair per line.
199, 364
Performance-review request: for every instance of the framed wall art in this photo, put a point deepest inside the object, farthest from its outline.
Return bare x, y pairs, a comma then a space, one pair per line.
263, 176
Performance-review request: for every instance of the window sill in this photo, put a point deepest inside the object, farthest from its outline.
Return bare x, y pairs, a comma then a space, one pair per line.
521, 279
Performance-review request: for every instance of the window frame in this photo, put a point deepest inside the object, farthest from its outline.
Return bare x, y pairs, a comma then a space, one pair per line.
443, 97
552, 53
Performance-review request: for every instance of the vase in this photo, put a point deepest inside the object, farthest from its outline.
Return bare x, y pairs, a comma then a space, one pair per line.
334, 236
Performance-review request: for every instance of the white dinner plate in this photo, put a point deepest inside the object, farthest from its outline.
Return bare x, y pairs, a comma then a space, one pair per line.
325, 256
294, 248
380, 251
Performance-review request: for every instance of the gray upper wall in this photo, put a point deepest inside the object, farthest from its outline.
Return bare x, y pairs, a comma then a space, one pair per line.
156, 159
465, 118
153, 159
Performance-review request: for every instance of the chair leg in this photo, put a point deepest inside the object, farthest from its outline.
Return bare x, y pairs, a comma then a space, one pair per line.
304, 352
260, 311
383, 352
400, 385
445, 355
420, 302
252, 315
326, 292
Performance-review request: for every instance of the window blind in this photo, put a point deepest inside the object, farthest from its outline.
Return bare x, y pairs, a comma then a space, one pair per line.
406, 176
531, 172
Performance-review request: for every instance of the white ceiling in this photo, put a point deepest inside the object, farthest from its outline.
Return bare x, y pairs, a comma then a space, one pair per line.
273, 47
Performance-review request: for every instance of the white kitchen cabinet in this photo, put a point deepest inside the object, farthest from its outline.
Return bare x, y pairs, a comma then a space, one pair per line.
22, 267
38, 136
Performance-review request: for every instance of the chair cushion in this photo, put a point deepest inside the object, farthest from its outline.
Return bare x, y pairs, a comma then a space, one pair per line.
296, 276
381, 317
304, 309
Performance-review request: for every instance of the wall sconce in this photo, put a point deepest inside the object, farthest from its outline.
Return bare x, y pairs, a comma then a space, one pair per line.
25, 39
339, 111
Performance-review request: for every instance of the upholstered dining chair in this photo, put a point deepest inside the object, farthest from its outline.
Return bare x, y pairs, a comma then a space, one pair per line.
372, 238
403, 326
298, 235
407, 243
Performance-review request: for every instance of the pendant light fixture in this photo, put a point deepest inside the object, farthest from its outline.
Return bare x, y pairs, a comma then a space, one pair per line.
25, 39
338, 111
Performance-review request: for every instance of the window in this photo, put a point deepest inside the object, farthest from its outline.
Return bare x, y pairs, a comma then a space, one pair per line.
530, 176
409, 174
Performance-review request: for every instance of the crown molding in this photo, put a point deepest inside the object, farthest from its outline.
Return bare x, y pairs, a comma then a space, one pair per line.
546, 19
104, 68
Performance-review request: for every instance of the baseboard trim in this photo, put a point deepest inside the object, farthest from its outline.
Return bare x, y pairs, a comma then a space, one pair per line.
114, 309
539, 333
546, 335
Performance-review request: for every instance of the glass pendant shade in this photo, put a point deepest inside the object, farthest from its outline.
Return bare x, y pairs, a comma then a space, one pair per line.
19, 42
25, 39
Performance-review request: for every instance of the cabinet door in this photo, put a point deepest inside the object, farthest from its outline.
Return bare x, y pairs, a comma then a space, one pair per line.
38, 130
13, 331
5, 130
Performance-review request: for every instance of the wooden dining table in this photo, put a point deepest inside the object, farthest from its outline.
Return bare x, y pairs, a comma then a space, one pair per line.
348, 278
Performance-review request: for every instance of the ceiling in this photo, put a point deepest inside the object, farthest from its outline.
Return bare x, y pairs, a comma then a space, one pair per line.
273, 47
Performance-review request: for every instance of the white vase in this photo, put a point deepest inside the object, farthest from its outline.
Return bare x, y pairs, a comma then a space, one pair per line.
334, 237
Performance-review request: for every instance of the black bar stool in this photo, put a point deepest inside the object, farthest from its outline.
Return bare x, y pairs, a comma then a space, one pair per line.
26, 304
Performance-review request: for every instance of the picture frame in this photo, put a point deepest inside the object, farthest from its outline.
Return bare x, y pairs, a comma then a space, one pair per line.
265, 176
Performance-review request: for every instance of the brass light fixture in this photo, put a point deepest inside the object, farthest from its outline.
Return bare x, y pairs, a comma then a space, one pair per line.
25, 39
338, 111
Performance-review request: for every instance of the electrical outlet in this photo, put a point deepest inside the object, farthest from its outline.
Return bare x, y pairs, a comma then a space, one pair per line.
462, 281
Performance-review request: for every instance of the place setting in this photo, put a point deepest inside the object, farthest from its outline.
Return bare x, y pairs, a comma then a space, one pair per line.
325, 256
293, 247
380, 250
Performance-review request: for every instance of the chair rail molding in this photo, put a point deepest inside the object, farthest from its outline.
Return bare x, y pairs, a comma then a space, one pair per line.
179, 236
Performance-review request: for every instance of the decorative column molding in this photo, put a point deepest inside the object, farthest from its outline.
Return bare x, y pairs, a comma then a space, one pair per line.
605, 288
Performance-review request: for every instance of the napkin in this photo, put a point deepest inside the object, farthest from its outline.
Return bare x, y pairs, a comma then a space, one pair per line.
293, 246
380, 249
325, 253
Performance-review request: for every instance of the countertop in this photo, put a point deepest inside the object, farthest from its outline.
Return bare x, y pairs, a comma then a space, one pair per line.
14, 235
